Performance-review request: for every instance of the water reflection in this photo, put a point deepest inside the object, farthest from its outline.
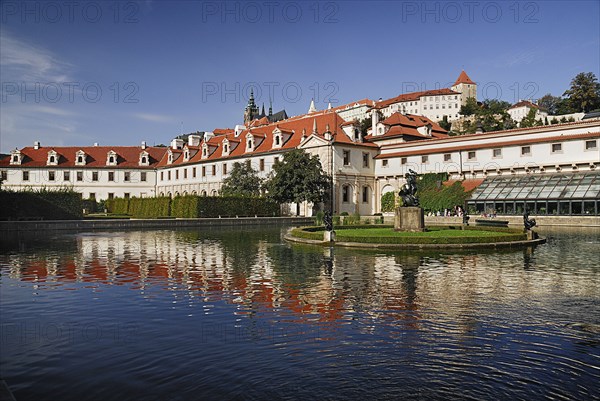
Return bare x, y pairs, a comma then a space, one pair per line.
495, 324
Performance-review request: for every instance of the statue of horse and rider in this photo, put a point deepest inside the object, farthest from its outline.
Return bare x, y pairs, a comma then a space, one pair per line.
408, 192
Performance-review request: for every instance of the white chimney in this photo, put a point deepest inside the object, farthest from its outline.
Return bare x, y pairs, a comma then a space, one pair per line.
36, 145
177, 143
143, 144
207, 136
95, 143
238, 130
194, 140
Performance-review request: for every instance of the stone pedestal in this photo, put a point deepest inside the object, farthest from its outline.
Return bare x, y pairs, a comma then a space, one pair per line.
328, 236
409, 218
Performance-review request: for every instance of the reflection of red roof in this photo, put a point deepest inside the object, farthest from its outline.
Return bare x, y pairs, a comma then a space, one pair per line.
463, 78
127, 156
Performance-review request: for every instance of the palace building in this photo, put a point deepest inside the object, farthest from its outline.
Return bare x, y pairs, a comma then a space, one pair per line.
550, 169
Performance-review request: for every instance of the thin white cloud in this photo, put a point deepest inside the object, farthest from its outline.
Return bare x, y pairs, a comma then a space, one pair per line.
24, 61
156, 118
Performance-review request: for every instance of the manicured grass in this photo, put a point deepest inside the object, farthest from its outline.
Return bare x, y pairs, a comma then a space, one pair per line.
433, 235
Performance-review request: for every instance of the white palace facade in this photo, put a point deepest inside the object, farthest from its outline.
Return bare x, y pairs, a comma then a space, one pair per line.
364, 167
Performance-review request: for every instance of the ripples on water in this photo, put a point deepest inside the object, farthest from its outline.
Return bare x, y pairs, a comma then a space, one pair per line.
222, 314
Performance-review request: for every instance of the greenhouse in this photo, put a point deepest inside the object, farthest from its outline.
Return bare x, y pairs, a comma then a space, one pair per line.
545, 194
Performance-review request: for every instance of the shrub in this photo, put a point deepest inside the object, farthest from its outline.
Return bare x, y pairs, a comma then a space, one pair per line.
64, 204
388, 202
319, 218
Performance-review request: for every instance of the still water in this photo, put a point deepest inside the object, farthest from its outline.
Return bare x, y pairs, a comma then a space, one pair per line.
241, 314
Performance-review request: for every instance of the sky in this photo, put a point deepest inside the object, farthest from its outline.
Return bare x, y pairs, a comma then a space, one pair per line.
74, 73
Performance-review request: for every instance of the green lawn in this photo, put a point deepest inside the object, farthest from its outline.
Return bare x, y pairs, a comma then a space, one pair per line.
434, 233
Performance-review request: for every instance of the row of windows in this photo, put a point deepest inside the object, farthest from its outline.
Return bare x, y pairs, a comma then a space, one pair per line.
437, 106
204, 171
365, 159
347, 193
66, 176
497, 153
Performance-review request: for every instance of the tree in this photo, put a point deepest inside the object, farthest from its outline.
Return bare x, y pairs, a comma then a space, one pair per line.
584, 94
529, 120
445, 124
388, 202
469, 108
493, 106
242, 181
297, 178
550, 103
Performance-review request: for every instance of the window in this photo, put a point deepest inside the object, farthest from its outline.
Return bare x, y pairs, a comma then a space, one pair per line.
556, 147
92, 195
94, 176
275, 160
525, 150
591, 145
203, 171
111, 195
51, 175
365, 160
126, 195
424, 159
80, 176
497, 153
176, 174
143, 176
384, 162
224, 168
127, 176
404, 160
261, 164
169, 175
214, 170
345, 193
447, 157
277, 140
365, 194
111, 176
162, 175
346, 157
194, 172
471, 155
52, 160
3, 175
185, 173
25, 175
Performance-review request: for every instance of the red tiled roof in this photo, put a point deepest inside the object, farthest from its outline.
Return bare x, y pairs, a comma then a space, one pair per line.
406, 97
223, 131
524, 103
463, 78
127, 156
407, 124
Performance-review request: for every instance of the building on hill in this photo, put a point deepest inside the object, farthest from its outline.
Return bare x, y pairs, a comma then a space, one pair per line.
520, 110
251, 112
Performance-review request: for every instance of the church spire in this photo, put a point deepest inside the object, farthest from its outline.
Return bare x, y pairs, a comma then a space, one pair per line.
312, 107
270, 107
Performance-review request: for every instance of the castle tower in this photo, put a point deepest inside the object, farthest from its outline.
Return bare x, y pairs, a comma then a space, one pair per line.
251, 109
466, 87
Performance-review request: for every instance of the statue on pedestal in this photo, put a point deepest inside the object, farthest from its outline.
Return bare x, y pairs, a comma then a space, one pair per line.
408, 192
527, 222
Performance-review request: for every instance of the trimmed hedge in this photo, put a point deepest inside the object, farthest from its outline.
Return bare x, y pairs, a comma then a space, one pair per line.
192, 206
41, 205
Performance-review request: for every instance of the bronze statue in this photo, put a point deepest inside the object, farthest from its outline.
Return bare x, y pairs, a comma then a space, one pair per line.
409, 190
527, 222
328, 221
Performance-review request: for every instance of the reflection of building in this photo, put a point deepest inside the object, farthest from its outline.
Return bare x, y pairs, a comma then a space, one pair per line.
403, 135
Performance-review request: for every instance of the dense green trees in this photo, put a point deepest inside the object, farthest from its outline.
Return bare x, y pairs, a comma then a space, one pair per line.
242, 181
584, 94
297, 178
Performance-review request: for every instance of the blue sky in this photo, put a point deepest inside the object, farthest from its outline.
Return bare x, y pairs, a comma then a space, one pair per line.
117, 73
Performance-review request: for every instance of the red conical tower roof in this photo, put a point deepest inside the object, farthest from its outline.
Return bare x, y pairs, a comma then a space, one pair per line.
463, 78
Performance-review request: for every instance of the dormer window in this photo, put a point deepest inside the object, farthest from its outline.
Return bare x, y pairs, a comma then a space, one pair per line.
52, 158
278, 140
80, 158
144, 159
169, 157
249, 143
186, 155
204, 150
225, 147
16, 157
111, 158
